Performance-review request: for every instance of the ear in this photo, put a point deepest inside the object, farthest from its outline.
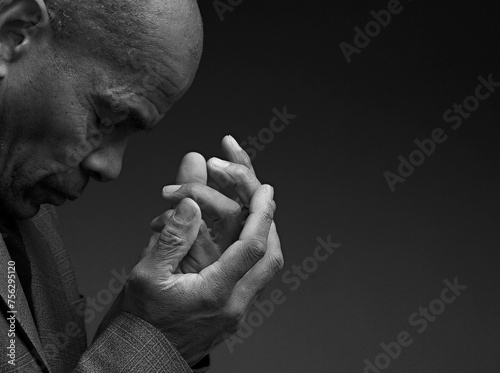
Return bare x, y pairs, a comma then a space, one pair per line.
21, 24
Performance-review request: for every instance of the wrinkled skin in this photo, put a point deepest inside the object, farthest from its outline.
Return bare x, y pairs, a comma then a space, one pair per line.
67, 117
59, 120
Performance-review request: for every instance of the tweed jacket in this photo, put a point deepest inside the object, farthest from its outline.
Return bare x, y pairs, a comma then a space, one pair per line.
52, 338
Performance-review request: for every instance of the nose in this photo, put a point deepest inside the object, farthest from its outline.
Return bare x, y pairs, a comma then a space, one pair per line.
105, 163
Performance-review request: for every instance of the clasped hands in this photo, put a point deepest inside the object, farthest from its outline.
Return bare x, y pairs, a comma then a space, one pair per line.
196, 283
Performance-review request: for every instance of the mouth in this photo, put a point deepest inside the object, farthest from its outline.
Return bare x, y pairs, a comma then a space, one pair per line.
56, 191
69, 197
59, 195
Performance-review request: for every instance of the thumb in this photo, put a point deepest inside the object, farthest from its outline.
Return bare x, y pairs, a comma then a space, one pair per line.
178, 235
152, 243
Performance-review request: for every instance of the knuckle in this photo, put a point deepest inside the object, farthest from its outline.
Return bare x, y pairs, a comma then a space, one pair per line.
140, 278
197, 191
235, 210
242, 172
235, 315
247, 161
188, 189
138, 274
268, 214
169, 237
245, 158
255, 250
277, 263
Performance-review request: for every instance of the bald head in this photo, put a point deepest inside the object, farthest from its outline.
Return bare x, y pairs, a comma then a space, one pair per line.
128, 32
73, 92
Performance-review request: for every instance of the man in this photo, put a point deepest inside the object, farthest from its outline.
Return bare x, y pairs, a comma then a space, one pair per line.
77, 79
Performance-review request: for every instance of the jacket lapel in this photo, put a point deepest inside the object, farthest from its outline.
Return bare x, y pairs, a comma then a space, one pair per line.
55, 292
24, 316
60, 338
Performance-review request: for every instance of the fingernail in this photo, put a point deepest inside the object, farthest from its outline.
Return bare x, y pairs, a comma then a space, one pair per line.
219, 163
233, 142
170, 189
184, 212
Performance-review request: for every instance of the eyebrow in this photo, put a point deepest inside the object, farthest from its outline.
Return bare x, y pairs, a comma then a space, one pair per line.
137, 118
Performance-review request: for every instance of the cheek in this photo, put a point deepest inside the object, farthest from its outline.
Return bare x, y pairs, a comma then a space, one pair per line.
51, 117
58, 139
56, 109
56, 145
64, 126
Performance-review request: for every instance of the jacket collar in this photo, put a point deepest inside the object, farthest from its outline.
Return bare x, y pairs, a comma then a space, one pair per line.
19, 304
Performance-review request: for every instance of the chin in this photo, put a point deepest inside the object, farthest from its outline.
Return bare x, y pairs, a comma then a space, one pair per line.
18, 208
21, 211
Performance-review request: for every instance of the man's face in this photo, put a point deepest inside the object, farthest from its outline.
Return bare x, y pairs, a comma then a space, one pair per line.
65, 117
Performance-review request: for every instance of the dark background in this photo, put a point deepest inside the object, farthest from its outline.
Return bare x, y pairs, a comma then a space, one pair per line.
353, 121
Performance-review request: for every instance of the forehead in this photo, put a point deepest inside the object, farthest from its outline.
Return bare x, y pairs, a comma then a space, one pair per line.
158, 66
145, 94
